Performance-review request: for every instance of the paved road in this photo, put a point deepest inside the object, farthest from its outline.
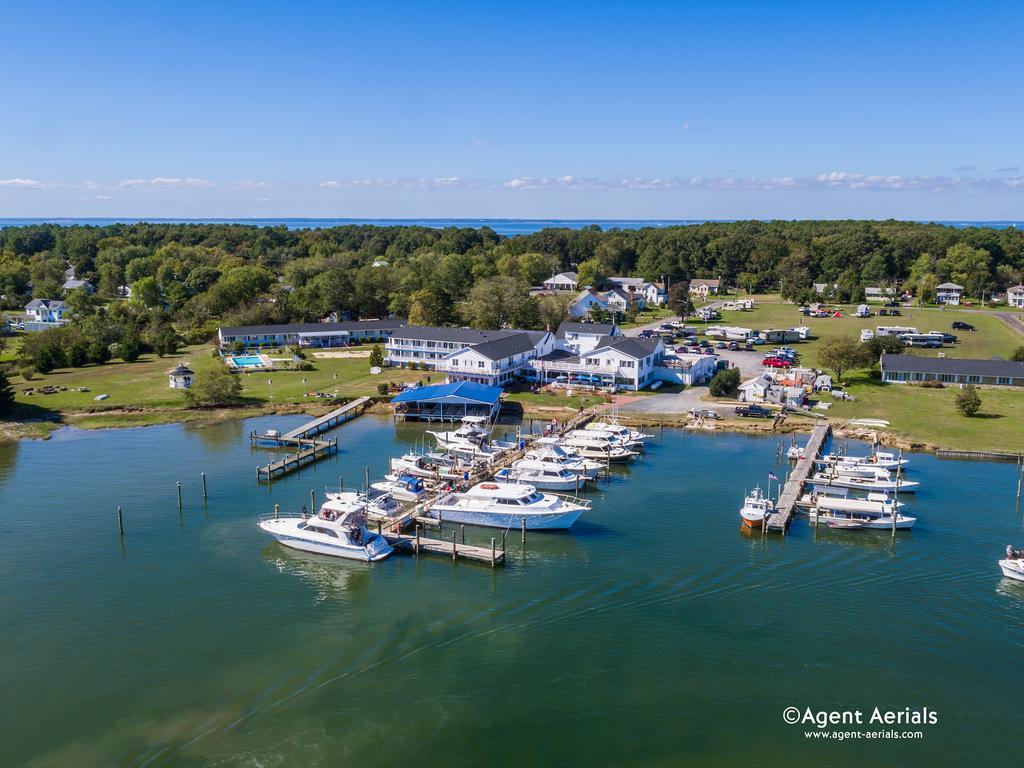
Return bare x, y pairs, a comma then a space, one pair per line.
651, 326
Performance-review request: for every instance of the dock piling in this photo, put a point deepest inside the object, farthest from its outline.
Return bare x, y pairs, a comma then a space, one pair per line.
277, 511
463, 529
523, 528
312, 501
203, 475
120, 522
179, 494
455, 548
492, 552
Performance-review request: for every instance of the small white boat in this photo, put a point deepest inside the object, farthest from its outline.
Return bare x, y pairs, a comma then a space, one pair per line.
597, 445
546, 475
854, 482
627, 437
856, 520
756, 509
874, 504
795, 453
417, 466
507, 505
338, 529
549, 449
473, 431
402, 487
882, 459
378, 503
1013, 565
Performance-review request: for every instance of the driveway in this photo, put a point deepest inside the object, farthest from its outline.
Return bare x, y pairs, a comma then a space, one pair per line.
649, 327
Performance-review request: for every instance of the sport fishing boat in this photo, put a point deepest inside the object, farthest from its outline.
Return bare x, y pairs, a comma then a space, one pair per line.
875, 503
854, 482
338, 529
1013, 565
880, 459
378, 503
756, 509
630, 438
546, 475
597, 445
856, 520
549, 449
507, 505
418, 466
402, 487
473, 431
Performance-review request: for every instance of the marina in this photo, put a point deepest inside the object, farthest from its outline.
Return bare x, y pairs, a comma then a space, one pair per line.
779, 519
658, 576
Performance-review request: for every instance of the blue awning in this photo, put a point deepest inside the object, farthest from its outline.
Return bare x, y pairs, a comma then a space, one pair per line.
459, 392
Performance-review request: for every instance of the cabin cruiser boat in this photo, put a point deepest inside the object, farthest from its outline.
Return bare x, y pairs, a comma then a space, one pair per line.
856, 520
546, 475
472, 432
338, 529
549, 449
756, 509
378, 503
874, 504
857, 483
419, 466
402, 487
1013, 566
509, 505
597, 445
630, 438
880, 459
869, 471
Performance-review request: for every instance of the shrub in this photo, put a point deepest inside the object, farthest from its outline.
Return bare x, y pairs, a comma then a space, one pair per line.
968, 401
1018, 355
238, 347
296, 350
725, 382
27, 372
382, 389
6, 395
304, 365
376, 356
932, 384
218, 386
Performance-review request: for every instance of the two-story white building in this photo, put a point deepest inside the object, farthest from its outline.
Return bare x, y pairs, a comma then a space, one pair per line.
1015, 297
704, 287
949, 293
43, 314
497, 356
624, 362
579, 338
588, 302
655, 294
307, 334
563, 281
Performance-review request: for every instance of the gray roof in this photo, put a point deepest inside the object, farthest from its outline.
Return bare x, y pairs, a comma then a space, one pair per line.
628, 345
70, 285
568, 275
468, 336
604, 329
950, 286
1015, 289
507, 346
952, 365
351, 325
51, 303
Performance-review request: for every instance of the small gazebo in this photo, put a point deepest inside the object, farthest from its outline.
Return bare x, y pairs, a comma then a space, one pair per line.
180, 377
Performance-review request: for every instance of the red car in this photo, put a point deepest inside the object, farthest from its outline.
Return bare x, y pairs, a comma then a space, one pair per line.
776, 362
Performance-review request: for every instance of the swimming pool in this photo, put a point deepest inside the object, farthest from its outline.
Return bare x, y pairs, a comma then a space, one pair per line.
248, 361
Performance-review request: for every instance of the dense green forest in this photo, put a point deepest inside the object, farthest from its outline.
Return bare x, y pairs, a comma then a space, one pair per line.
187, 279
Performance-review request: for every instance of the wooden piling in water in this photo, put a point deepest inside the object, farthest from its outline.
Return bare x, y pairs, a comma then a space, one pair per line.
277, 511
120, 522
203, 475
179, 494
523, 527
463, 529
455, 548
492, 552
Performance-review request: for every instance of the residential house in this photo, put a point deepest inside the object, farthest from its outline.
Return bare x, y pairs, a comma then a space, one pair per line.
43, 314
826, 290
900, 369
71, 284
579, 338
440, 348
873, 293
704, 288
587, 302
623, 362
758, 389
1015, 296
949, 293
656, 294
308, 334
563, 281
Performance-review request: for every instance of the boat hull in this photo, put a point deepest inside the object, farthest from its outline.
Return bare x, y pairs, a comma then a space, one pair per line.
559, 520
285, 532
1012, 569
542, 484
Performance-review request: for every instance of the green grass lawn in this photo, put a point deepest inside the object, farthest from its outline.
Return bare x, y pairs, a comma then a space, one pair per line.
648, 316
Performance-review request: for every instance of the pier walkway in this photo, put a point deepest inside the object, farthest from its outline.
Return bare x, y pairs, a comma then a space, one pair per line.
456, 550
309, 451
779, 519
348, 411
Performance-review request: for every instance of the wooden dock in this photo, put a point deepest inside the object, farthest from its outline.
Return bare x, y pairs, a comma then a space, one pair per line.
348, 411
309, 451
454, 549
779, 519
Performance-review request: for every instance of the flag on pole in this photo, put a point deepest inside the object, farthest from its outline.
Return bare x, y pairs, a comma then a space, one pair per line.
771, 476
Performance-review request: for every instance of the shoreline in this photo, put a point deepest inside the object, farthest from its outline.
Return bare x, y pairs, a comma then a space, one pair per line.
132, 418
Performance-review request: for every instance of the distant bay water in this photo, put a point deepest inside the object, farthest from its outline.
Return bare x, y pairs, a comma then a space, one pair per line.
509, 227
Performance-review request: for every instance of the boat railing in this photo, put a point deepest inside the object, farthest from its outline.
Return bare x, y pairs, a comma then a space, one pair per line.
586, 503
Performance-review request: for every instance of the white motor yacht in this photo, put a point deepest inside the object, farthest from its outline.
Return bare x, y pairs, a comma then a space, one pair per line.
597, 445
857, 483
507, 505
630, 438
874, 504
402, 487
473, 431
546, 475
338, 529
1013, 565
549, 449
881, 459
418, 466
756, 508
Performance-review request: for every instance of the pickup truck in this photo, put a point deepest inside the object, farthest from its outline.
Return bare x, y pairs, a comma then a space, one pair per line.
754, 411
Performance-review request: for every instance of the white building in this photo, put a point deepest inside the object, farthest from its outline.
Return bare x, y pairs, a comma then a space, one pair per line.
307, 334
655, 294
45, 313
563, 281
580, 338
949, 293
624, 362
468, 354
703, 287
180, 377
587, 302
1015, 296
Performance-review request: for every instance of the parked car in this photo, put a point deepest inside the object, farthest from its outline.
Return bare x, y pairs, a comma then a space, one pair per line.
708, 351
947, 338
704, 413
960, 325
734, 345
647, 334
754, 411
776, 362
720, 345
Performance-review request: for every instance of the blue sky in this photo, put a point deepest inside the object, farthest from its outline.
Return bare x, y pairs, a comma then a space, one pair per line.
620, 110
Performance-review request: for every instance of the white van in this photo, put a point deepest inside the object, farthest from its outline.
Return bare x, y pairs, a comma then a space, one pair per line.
866, 335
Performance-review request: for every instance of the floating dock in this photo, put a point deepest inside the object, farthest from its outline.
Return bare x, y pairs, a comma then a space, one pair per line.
309, 452
779, 519
454, 549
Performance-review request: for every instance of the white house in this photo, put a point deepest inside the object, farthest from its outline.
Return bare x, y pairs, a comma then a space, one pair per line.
655, 294
948, 293
563, 281
587, 302
180, 377
45, 313
499, 361
704, 288
625, 362
326, 334
71, 284
1015, 296
580, 338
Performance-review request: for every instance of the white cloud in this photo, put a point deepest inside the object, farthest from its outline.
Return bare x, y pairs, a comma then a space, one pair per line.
162, 182
22, 183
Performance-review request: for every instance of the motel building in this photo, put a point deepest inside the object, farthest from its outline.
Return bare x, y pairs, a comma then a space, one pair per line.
901, 369
316, 335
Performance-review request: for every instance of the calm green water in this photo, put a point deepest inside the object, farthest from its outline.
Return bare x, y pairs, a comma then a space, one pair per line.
655, 633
